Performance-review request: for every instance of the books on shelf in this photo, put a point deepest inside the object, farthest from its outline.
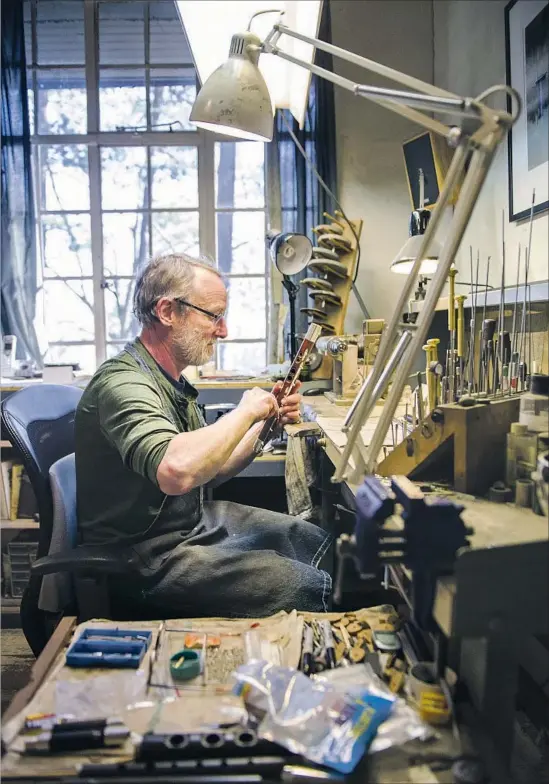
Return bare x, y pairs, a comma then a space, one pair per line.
17, 499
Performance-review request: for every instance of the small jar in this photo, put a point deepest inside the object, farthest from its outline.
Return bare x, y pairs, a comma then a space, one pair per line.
534, 404
522, 453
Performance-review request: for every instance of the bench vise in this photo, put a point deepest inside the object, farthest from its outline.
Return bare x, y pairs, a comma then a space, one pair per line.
401, 526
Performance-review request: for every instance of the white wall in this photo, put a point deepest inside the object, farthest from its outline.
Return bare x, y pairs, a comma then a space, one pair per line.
371, 174
460, 45
469, 57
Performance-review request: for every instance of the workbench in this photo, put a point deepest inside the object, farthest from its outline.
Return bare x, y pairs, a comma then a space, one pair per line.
494, 605
52, 680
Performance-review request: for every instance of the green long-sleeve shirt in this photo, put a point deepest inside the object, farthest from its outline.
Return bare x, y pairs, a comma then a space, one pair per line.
127, 416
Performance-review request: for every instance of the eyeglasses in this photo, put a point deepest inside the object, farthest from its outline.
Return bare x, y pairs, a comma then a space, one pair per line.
215, 317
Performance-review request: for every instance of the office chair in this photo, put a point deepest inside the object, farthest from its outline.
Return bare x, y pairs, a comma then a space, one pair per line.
74, 577
39, 422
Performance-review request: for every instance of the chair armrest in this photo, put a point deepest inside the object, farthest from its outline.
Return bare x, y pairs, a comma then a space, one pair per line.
82, 559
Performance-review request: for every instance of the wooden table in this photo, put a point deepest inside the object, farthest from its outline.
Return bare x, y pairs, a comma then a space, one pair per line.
387, 767
494, 596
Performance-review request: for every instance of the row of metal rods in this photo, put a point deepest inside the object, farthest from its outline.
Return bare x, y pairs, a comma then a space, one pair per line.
504, 359
502, 365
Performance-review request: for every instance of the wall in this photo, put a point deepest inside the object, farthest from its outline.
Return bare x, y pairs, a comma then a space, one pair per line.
469, 57
460, 45
371, 175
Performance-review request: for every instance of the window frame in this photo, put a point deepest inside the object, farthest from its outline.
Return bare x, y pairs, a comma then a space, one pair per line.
95, 140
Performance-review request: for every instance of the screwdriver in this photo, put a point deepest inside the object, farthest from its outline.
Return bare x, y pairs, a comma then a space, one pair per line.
488, 330
460, 299
435, 369
504, 351
451, 362
430, 385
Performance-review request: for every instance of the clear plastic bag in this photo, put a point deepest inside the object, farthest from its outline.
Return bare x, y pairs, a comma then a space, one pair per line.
327, 725
403, 725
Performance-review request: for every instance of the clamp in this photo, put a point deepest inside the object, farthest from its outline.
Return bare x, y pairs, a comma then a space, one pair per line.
428, 542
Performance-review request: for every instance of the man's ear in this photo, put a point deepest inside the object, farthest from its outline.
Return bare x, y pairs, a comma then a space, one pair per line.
164, 311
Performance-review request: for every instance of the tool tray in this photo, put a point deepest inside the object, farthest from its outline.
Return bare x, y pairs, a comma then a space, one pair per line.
109, 648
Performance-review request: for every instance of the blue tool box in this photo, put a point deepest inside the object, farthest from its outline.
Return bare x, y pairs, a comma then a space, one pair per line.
109, 648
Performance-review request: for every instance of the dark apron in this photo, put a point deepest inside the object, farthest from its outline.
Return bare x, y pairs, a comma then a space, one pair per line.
235, 561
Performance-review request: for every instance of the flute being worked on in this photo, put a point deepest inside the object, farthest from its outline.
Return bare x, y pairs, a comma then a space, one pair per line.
313, 333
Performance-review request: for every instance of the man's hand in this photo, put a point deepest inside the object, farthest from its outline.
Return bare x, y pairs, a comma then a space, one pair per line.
290, 406
259, 403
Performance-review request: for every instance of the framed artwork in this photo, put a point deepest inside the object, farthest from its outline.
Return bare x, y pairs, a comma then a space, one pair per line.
527, 63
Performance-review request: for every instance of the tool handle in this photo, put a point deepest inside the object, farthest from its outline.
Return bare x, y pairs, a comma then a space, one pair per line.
451, 300
488, 329
430, 380
309, 341
460, 325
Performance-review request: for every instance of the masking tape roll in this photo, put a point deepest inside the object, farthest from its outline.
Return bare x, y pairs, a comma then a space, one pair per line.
428, 695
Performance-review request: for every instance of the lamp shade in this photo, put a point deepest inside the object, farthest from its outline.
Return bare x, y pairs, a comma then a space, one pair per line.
210, 24
405, 258
235, 100
290, 252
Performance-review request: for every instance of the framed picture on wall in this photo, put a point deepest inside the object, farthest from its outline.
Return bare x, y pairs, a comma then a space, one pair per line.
527, 62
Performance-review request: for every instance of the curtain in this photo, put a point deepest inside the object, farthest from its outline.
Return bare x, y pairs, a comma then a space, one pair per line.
303, 200
18, 249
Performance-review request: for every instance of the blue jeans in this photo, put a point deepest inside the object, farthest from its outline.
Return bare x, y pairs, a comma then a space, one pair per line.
239, 561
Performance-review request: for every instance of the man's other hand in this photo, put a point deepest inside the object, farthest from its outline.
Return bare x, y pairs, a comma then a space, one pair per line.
259, 403
290, 406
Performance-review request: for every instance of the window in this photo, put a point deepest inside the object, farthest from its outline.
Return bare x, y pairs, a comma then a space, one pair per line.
121, 174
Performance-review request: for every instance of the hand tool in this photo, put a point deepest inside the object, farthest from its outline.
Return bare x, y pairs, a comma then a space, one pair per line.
488, 330
513, 370
430, 380
460, 299
313, 333
504, 351
472, 327
76, 736
329, 646
523, 369
307, 661
419, 392
498, 357
481, 380
451, 361
435, 369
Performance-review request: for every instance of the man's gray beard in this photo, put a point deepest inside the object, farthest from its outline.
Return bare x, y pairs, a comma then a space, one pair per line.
193, 350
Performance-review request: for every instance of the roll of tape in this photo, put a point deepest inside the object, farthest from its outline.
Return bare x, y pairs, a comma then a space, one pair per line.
427, 693
185, 665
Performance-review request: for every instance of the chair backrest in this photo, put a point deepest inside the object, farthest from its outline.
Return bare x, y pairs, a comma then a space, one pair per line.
39, 422
63, 488
56, 591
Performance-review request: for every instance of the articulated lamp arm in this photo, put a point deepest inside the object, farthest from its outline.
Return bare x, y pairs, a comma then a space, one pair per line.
481, 131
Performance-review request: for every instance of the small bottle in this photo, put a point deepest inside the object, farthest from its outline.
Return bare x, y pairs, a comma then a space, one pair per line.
522, 449
534, 404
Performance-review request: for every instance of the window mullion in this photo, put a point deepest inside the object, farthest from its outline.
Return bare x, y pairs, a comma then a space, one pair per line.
94, 169
206, 195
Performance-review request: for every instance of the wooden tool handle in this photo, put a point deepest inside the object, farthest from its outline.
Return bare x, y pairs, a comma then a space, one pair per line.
460, 299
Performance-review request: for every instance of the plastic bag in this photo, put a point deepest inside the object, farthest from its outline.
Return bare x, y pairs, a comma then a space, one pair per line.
314, 719
404, 723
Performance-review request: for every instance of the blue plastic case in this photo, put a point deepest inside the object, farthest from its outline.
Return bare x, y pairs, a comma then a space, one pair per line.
109, 648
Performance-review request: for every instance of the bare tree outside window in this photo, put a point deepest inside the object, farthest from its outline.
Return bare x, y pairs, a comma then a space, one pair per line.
151, 171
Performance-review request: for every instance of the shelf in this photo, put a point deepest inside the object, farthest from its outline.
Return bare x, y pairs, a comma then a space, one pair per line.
539, 292
21, 524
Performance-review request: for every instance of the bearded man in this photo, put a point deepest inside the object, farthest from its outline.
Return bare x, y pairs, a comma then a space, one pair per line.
144, 456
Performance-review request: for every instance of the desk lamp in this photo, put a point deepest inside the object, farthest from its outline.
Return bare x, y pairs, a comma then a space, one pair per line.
290, 253
225, 104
